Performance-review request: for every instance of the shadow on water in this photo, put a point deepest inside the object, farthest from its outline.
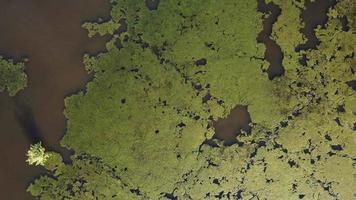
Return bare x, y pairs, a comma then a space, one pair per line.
229, 128
24, 116
315, 14
273, 52
27, 121
49, 34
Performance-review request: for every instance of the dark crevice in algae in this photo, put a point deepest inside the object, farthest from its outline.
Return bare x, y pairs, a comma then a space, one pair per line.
119, 31
209, 142
122, 28
169, 196
201, 62
273, 52
229, 128
314, 14
352, 84
152, 4
345, 23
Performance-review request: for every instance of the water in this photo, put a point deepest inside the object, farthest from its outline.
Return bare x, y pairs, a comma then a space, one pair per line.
227, 129
273, 53
314, 15
49, 33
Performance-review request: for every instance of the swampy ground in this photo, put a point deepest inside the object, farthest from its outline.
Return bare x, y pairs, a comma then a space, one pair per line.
179, 99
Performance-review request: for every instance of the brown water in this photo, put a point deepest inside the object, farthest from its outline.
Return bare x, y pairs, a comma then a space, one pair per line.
273, 53
227, 129
314, 15
49, 33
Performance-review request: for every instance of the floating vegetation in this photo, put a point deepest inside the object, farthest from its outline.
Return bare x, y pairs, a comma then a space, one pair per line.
12, 76
144, 127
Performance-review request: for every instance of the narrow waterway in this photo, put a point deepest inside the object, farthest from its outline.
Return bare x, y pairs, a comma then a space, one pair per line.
273, 53
49, 34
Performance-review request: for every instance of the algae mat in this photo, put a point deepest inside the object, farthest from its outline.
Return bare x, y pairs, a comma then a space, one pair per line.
12, 76
139, 131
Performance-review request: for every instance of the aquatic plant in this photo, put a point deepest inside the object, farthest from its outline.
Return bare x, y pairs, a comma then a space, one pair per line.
139, 129
12, 76
36, 155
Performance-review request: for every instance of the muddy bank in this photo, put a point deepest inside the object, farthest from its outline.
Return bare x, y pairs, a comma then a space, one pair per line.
49, 34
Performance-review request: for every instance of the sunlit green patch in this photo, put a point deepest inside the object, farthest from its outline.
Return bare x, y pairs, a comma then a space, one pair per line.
12, 76
139, 128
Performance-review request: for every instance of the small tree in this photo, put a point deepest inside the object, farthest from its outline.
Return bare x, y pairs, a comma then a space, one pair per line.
36, 155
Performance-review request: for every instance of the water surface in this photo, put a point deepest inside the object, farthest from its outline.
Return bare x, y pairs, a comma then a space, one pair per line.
49, 34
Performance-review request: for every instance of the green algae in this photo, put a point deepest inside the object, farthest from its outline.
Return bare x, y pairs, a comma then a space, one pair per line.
138, 130
12, 76
288, 25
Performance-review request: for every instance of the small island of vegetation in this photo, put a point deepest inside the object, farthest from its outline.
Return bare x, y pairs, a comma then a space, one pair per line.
12, 76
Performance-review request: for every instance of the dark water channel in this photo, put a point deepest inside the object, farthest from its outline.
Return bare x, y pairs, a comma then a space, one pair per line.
273, 53
49, 34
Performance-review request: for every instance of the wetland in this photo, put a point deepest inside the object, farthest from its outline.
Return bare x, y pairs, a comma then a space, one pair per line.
178, 99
